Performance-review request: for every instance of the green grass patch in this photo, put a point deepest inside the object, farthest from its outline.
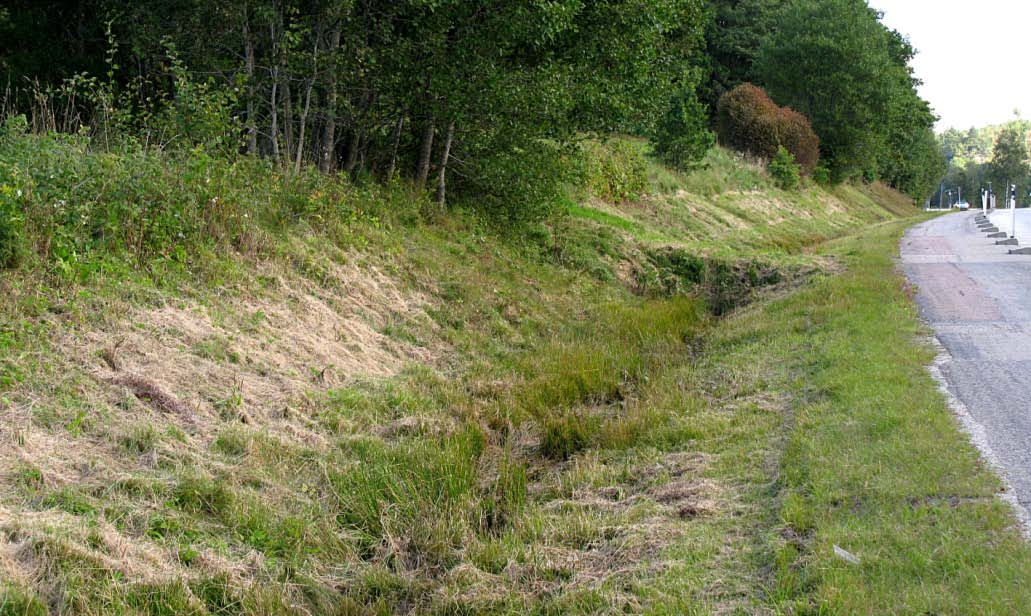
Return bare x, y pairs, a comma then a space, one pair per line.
875, 463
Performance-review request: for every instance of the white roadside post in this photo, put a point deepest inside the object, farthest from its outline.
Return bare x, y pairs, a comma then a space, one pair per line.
984, 202
1013, 210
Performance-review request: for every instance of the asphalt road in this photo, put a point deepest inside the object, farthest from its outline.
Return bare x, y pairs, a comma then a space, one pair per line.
977, 297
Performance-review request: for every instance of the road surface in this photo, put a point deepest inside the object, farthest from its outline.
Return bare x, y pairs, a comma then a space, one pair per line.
977, 297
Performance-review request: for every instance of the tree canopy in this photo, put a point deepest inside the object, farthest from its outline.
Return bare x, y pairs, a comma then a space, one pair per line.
835, 62
482, 97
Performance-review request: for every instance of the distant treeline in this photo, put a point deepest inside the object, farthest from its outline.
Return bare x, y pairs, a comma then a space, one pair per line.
994, 154
483, 97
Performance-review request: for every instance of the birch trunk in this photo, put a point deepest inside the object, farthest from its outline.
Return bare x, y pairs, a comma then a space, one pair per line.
248, 52
329, 130
442, 175
398, 128
422, 169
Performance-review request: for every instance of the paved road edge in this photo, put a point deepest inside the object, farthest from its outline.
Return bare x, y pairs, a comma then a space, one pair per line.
977, 434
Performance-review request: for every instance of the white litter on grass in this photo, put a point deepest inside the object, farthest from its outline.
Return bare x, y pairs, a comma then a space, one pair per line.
978, 435
846, 556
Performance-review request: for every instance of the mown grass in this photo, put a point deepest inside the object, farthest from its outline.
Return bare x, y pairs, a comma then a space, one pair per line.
875, 464
730, 208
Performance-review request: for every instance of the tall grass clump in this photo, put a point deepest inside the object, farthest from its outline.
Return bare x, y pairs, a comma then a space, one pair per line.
606, 362
417, 500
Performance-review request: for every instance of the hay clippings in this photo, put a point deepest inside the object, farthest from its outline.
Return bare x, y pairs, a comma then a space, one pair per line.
155, 396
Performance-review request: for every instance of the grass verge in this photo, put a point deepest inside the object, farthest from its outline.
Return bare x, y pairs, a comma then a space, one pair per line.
871, 458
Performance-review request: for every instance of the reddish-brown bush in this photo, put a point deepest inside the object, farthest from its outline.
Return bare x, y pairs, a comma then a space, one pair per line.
748, 120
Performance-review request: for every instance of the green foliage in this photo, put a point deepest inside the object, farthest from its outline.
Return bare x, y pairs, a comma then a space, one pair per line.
749, 121
682, 137
11, 217
735, 32
785, 170
521, 185
834, 61
1009, 164
822, 175
970, 153
910, 159
615, 170
197, 114
77, 207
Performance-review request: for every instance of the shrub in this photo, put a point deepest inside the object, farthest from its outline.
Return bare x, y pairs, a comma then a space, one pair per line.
749, 121
615, 170
516, 185
784, 169
682, 137
11, 218
822, 175
199, 114
10, 227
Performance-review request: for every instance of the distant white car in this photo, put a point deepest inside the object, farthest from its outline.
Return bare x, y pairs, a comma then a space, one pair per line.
963, 205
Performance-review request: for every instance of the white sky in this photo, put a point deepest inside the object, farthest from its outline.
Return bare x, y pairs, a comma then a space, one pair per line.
961, 44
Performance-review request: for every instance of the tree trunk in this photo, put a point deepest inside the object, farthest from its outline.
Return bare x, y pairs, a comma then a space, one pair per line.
248, 53
307, 99
351, 154
398, 128
422, 169
285, 96
274, 104
329, 130
288, 121
442, 174
363, 149
274, 95
354, 143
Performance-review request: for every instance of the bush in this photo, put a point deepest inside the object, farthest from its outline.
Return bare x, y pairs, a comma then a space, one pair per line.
11, 218
615, 170
682, 137
749, 121
822, 175
785, 170
73, 206
516, 185
10, 227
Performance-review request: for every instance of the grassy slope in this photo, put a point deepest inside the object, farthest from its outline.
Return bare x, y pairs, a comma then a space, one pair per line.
503, 427
732, 208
